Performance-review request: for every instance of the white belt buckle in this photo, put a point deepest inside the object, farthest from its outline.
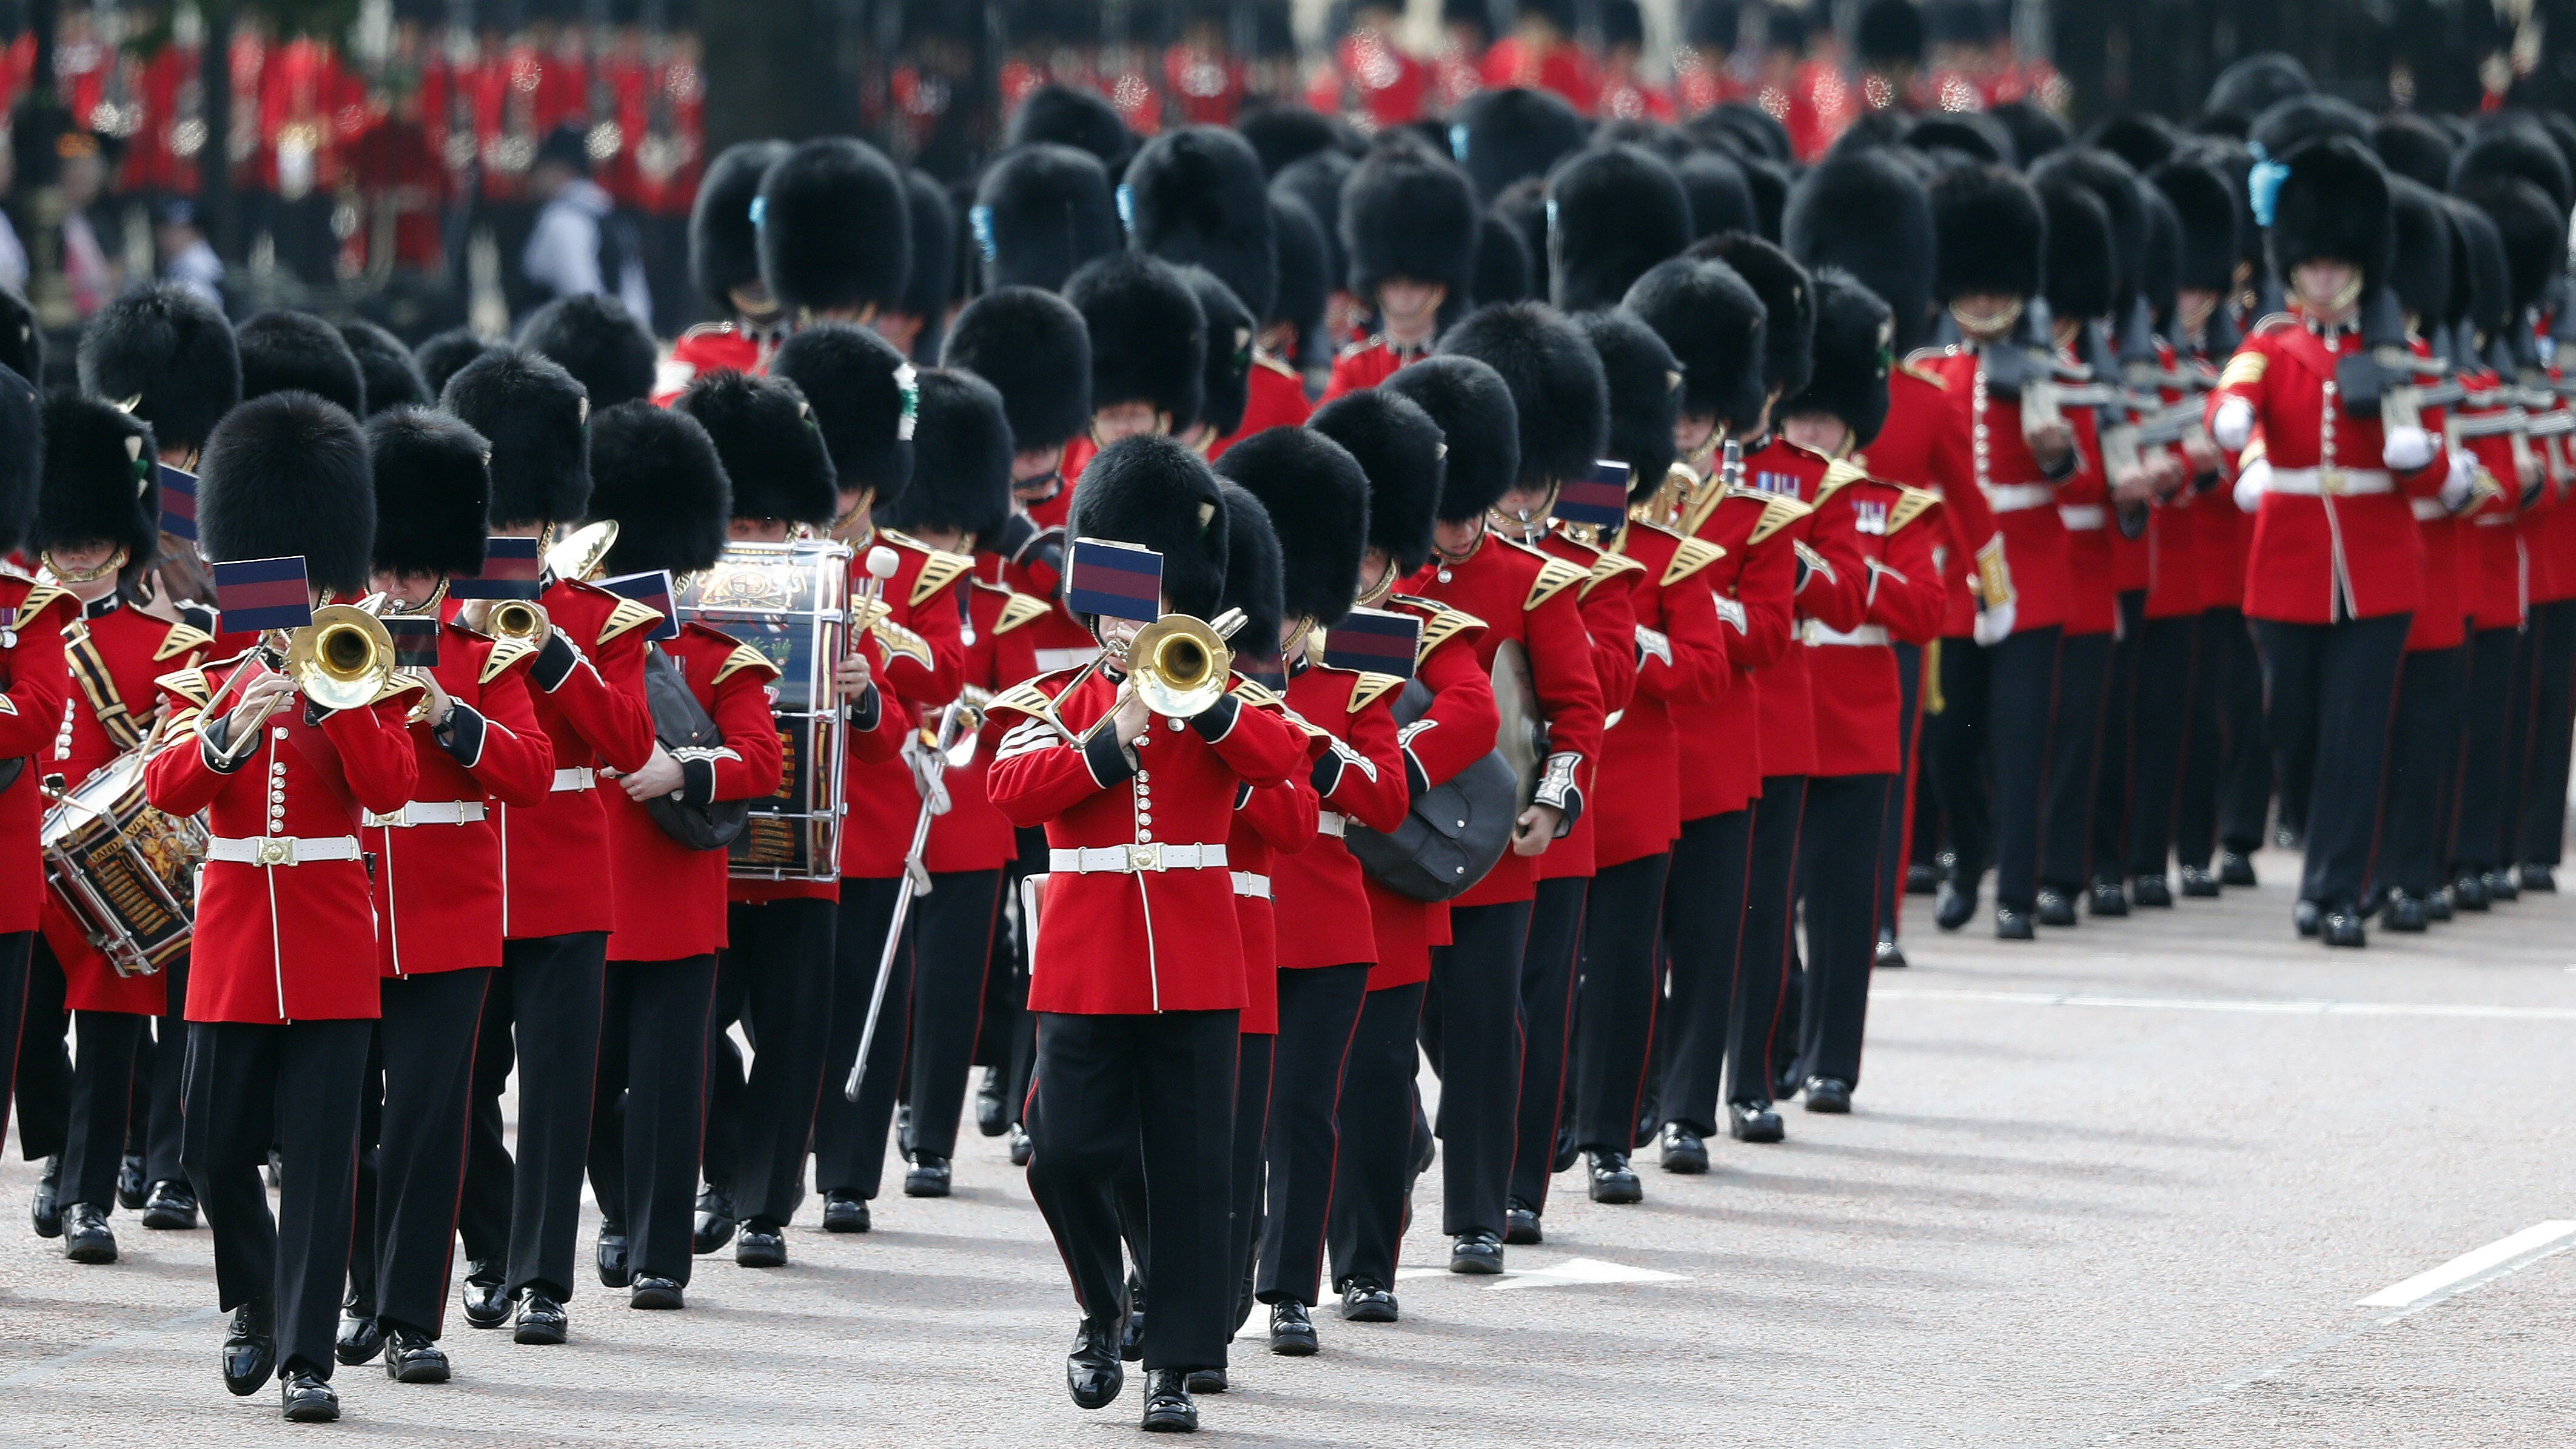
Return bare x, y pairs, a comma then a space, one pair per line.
273, 850
2330, 482
1145, 857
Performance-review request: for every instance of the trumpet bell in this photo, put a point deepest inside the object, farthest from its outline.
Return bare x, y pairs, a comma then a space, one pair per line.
582, 551
1178, 665
343, 659
521, 619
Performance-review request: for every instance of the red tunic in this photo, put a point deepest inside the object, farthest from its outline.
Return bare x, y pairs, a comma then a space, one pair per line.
1319, 887
1372, 81
1278, 400
1611, 623
1366, 364
1455, 731
705, 348
1925, 443
1753, 588
1858, 701
2022, 498
34, 682
973, 835
587, 692
1830, 589
1679, 653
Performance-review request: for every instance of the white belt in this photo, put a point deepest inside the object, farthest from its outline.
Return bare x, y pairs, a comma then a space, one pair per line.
1332, 823
2428, 510
1815, 632
2019, 497
1129, 859
2083, 517
1051, 660
2310, 482
2493, 520
431, 812
282, 849
1248, 884
584, 778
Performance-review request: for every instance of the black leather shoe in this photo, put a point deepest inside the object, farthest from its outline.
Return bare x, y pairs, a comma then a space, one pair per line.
1753, 1122
1920, 880
762, 1245
992, 1107
2050, 907
2235, 868
2535, 876
2012, 925
1954, 907
1613, 1180
1889, 956
1292, 1331
2151, 891
86, 1235
306, 1398
1168, 1409
2501, 887
1520, 1225
250, 1349
2437, 907
1649, 1113
2469, 892
541, 1320
131, 1190
2372, 900
2107, 899
1475, 1253
656, 1293
2342, 927
1131, 1339
487, 1301
1785, 1077
928, 1178
414, 1358
1562, 1153
2199, 884
716, 1221
1682, 1150
361, 1336
1207, 1381
45, 1209
610, 1255
844, 1212
2305, 915
1366, 1302
1021, 1146
1828, 1094
172, 1207
2404, 912
1092, 1372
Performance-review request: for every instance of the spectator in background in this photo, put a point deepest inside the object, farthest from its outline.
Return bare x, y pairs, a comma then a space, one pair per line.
579, 246
13, 253
88, 259
188, 261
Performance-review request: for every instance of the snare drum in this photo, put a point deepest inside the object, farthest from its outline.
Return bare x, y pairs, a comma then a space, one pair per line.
125, 871
790, 601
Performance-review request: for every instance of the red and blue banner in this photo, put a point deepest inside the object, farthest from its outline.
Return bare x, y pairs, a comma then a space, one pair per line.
1599, 501
178, 502
254, 594
1118, 580
511, 570
415, 641
1375, 641
652, 589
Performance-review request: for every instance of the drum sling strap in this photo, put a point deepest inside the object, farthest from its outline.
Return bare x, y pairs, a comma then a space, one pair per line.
90, 671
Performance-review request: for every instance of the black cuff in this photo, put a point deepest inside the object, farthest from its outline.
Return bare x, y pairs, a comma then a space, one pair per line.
554, 662
2132, 518
1107, 756
697, 782
1242, 793
1014, 536
314, 713
1417, 780
866, 711
1217, 720
2064, 468
211, 752
462, 736
1046, 551
1573, 812
1327, 774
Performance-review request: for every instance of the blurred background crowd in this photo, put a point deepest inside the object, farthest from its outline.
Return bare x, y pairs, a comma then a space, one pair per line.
433, 163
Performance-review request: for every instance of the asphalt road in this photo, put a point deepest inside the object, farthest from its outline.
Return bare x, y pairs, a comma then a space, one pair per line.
2128, 1185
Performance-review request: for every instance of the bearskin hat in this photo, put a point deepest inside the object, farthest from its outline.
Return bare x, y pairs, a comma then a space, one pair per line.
1668, 143
22, 458
433, 492
599, 342
2420, 255
2482, 279
1317, 181
1871, 130
2117, 188
1853, 332
1253, 570
2142, 138
2160, 274
863, 398
2519, 148
1720, 197
1305, 283
299, 352
1870, 215
1714, 322
1769, 183
724, 242
961, 459
661, 479
1890, 31
1745, 129
172, 353
445, 355
1149, 340
1560, 400
1612, 213
392, 378
934, 251
1033, 347
101, 481
1287, 131
1408, 213
835, 228
2208, 209
1788, 305
1969, 135
1645, 391
1197, 195
2250, 87
531, 411
1622, 23
1500, 136
2411, 146
287, 474
2035, 132
2080, 281
1152, 492
2532, 228
1993, 235
1040, 212
2334, 204
1400, 450
1071, 116
771, 448
1502, 264
1231, 329
22, 342
1479, 424
1522, 210
2297, 120
1317, 498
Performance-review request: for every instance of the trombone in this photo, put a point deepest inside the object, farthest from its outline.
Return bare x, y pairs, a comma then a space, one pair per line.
344, 659
577, 556
1178, 665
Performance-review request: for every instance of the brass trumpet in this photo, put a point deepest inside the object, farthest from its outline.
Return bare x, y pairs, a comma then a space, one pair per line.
1178, 665
579, 554
521, 619
344, 659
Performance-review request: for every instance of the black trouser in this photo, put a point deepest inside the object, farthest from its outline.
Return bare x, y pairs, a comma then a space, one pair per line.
2479, 843
645, 1122
2553, 733
2245, 772
426, 1040
14, 950
2522, 712
1622, 932
2423, 750
2074, 750
2328, 692
1373, 1172
1107, 1085
1762, 965
1009, 1035
1996, 705
1892, 830
953, 946
1248, 1185
44, 1085
850, 1137
2169, 701
524, 1220
775, 977
2115, 766
1703, 929
161, 1079
295, 1085
1838, 876
1319, 1012
1474, 1005
102, 1100
1548, 971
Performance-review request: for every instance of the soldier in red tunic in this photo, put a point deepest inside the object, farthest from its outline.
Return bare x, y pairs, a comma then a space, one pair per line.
1226, 372
1041, 210
1409, 218
724, 265
834, 232
282, 984
1197, 195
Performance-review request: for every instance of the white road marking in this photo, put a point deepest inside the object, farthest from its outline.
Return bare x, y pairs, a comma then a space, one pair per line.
1572, 1273
2298, 1006
2527, 1245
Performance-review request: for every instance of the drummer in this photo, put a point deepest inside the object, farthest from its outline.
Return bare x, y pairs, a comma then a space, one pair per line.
97, 522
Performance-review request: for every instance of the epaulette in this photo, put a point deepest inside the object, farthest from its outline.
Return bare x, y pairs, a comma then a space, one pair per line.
1920, 373
1019, 609
1839, 473
1354, 349
1370, 687
1915, 358
1264, 359
939, 568
1608, 566
397, 685
1024, 698
1690, 555
1254, 692
899, 640
189, 684
2273, 322
1554, 577
43, 597
1911, 504
629, 615
743, 657
1444, 623
2245, 369
181, 638
505, 652
1778, 512
708, 329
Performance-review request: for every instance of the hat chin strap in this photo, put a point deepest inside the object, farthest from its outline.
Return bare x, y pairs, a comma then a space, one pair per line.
114, 562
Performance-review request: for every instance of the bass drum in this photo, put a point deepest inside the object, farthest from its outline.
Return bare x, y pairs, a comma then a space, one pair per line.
125, 871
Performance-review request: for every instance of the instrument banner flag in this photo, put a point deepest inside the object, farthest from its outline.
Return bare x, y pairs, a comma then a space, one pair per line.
1119, 580
652, 589
511, 570
415, 642
1375, 641
254, 594
1600, 501
178, 502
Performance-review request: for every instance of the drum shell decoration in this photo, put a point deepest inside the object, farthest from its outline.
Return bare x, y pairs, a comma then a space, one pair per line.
790, 601
125, 871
